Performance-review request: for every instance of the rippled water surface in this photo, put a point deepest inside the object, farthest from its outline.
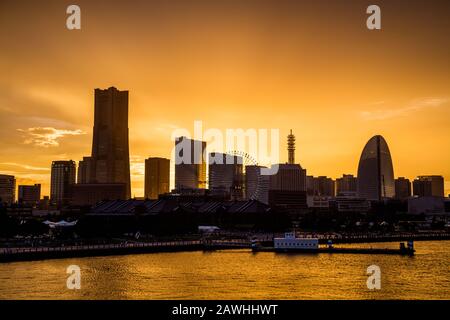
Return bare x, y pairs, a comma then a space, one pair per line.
236, 274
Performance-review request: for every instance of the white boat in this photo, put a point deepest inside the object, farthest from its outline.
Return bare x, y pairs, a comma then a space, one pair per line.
291, 243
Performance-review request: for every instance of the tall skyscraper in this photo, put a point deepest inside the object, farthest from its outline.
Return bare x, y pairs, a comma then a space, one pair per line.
62, 178
402, 188
375, 171
226, 174
110, 158
256, 184
346, 184
157, 177
429, 186
29, 195
190, 164
7, 188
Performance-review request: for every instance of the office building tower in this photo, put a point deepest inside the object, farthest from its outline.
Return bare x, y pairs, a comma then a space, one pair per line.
157, 177
429, 186
62, 177
190, 164
7, 189
402, 188
29, 195
346, 184
375, 171
110, 159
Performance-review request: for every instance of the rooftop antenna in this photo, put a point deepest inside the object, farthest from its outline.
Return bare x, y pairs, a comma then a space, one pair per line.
291, 148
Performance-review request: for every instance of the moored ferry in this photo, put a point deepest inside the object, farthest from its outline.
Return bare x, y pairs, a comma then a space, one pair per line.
291, 243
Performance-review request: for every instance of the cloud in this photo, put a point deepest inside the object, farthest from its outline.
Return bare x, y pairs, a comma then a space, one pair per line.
413, 106
46, 136
24, 166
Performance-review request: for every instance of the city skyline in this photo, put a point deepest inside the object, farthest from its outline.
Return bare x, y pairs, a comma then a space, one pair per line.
83, 168
285, 67
81, 165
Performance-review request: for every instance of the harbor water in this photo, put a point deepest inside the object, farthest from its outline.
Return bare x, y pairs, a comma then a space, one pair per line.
236, 274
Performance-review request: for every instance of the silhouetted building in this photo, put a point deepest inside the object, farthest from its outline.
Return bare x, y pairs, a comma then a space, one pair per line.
426, 205
110, 159
375, 171
194, 195
318, 202
347, 183
320, 186
348, 203
166, 206
190, 164
29, 195
429, 186
62, 177
226, 174
290, 177
84, 170
92, 193
7, 188
256, 184
288, 198
157, 177
44, 203
310, 185
287, 187
402, 188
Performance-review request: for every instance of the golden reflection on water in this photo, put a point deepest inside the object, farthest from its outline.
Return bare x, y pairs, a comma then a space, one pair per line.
236, 274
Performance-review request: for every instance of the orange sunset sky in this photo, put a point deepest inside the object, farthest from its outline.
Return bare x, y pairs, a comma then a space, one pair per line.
312, 66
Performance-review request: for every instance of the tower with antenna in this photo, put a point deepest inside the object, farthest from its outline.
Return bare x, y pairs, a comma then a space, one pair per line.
291, 148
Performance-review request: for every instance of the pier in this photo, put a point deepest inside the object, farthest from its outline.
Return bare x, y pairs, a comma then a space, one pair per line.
11, 254
42, 253
401, 251
372, 238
